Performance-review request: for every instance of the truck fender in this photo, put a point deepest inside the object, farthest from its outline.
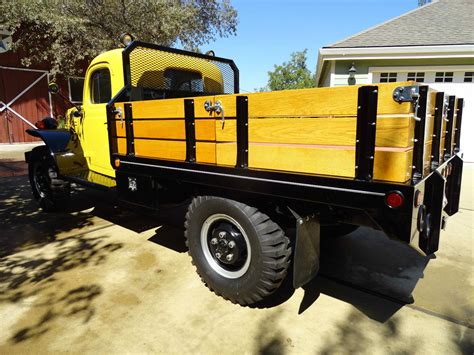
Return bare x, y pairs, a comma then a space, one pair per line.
55, 139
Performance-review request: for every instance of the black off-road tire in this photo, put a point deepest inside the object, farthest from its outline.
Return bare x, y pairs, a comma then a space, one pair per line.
51, 193
267, 258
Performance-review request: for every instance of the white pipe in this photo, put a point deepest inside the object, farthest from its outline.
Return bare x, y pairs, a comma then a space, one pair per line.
22, 118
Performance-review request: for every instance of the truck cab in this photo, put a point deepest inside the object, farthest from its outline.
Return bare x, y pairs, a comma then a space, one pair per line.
158, 75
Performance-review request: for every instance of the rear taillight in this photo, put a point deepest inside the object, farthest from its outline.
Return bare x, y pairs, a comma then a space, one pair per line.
394, 199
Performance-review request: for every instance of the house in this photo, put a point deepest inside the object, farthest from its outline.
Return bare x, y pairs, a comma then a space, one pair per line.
24, 97
432, 44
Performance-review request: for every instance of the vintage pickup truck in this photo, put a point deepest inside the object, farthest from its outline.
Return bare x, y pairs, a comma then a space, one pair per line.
159, 123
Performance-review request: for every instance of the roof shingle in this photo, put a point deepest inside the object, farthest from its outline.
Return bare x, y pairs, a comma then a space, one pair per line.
443, 22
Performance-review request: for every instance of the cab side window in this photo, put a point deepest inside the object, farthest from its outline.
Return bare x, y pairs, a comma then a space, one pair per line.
100, 86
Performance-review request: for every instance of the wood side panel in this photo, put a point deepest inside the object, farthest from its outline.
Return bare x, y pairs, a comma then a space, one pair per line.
390, 165
429, 128
206, 152
169, 129
120, 128
391, 131
175, 150
169, 108
205, 130
336, 101
431, 101
122, 146
427, 158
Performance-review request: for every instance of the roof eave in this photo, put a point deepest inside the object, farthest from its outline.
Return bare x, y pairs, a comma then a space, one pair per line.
406, 52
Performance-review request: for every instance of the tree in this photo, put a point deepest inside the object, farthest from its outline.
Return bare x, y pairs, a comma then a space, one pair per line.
291, 75
65, 32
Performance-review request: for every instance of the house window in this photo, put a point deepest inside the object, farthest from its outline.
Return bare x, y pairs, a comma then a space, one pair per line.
444, 77
101, 90
419, 77
76, 86
468, 76
388, 77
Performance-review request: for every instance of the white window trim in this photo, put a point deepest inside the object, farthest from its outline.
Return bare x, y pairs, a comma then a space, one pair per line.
429, 70
69, 87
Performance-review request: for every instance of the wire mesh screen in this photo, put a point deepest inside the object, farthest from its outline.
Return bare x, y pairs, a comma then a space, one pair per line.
157, 72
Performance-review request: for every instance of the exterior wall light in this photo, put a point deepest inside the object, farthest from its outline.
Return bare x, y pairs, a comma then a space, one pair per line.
352, 70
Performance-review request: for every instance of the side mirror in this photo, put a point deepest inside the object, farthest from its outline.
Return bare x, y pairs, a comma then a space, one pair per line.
53, 88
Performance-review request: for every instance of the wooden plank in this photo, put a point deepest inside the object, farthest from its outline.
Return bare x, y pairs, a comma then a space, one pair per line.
169, 108
391, 131
166, 149
205, 130
390, 164
168, 129
206, 152
122, 146
175, 150
431, 103
335, 101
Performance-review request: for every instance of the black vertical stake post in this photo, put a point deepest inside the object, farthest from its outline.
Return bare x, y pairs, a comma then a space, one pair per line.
129, 129
457, 129
448, 141
419, 136
190, 131
112, 130
242, 132
366, 127
437, 130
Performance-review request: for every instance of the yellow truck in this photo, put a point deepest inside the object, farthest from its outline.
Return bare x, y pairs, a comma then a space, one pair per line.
159, 123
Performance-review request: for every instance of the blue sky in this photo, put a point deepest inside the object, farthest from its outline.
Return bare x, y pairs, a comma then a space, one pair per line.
270, 30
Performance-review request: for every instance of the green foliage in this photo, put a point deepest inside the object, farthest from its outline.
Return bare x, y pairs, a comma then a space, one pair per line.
291, 75
65, 32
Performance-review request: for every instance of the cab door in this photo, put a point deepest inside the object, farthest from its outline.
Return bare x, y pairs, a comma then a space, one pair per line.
95, 140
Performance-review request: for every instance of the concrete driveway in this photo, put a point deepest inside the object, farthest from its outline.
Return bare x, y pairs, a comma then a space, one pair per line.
95, 279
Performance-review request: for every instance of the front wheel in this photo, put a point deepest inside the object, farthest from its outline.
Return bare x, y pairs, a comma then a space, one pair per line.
238, 251
51, 193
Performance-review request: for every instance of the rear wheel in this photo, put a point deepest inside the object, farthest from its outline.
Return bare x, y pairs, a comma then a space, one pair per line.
238, 251
51, 193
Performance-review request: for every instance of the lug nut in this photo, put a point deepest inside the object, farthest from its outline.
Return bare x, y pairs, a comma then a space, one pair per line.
218, 255
221, 235
213, 241
229, 257
231, 244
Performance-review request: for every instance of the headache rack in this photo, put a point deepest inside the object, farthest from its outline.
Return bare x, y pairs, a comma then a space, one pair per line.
156, 72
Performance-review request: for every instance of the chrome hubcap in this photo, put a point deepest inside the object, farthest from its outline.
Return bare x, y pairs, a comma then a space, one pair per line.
225, 245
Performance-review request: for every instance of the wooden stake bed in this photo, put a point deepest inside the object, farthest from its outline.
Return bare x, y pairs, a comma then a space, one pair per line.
307, 131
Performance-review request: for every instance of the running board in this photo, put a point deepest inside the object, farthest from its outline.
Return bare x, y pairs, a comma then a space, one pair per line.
92, 179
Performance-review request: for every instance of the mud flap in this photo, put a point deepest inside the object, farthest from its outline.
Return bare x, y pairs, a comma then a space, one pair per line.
307, 249
434, 198
453, 186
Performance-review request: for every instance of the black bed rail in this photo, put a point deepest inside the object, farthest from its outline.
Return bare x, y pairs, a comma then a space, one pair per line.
437, 134
365, 135
457, 129
448, 141
419, 134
